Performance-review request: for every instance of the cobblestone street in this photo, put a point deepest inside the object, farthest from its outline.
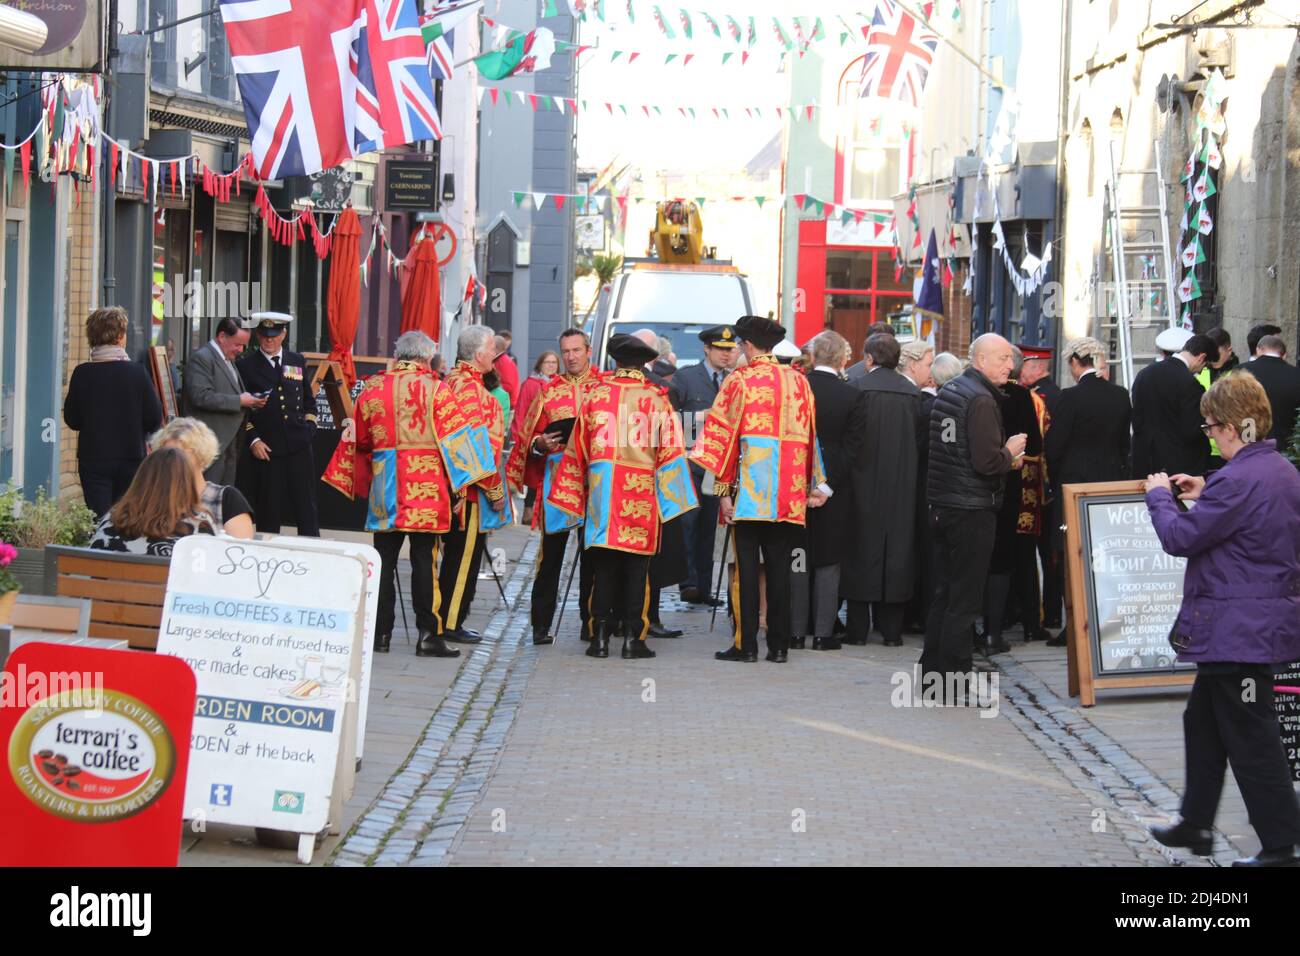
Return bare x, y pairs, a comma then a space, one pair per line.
543, 756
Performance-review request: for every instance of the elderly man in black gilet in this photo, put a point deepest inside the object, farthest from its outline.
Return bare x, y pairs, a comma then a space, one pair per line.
969, 459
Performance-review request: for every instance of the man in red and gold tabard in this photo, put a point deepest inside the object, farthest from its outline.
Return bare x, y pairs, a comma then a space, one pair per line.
533, 462
463, 545
408, 451
624, 472
760, 443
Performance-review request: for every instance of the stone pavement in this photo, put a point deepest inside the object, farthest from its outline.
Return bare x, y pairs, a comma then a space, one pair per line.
1141, 731
520, 755
405, 690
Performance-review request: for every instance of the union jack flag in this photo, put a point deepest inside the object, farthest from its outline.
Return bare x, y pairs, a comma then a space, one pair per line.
323, 80
899, 54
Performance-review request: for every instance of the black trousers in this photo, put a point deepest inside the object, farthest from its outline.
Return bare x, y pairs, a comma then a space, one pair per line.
776, 541
462, 556
424, 579
1019, 581
1220, 728
547, 583
105, 480
700, 530
621, 590
1053, 560
291, 478
963, 543
888, 615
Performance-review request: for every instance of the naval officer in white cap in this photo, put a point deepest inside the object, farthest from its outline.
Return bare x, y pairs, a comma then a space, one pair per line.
279, 435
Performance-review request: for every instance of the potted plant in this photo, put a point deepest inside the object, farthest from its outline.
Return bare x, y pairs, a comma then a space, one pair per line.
30, 525
9, 586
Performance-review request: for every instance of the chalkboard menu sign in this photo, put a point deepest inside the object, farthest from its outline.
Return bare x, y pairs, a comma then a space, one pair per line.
1287, 701
1123, 592
1134, 588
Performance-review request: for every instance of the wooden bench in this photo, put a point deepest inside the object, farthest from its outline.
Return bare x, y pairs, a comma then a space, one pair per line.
57, 615
126, 591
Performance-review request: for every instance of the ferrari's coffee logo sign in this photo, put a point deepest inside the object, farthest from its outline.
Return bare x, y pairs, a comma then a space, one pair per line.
92, 758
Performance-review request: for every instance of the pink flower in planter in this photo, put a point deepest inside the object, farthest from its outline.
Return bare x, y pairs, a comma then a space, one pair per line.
7, 553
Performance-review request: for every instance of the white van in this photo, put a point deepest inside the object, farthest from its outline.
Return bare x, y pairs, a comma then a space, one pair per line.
677, 302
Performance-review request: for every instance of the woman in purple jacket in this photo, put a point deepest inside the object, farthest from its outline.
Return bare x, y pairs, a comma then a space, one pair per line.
1240, 616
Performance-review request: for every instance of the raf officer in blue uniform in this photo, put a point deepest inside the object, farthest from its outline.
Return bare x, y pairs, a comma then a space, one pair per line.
692, 391
278, 436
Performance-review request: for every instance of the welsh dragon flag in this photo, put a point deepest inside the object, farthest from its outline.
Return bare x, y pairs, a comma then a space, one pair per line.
523, 53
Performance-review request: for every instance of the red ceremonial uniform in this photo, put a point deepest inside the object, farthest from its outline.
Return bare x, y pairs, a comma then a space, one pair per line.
760, 442
560, 399
478, 406
405, 419
624, 468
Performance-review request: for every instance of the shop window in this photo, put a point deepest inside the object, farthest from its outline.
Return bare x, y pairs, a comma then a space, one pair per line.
861, 290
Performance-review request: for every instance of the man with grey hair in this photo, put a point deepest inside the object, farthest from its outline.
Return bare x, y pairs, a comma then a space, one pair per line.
969, 459
476, 350
406, 453
944, 369
915, 362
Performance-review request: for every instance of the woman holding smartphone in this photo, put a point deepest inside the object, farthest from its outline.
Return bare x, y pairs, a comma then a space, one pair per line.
1240, 617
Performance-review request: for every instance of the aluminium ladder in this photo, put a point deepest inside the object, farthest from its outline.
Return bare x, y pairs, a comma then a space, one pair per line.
1139, 232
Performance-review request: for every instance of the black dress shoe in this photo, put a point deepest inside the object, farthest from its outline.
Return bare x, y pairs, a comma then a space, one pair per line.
635, 650
541, 637
709, 601
1182, 834
431, 645
856, 641
599, 646
826, 644
462, 635
1282, 856
778, 657
736, 654
797, 642
692, 595
996, 647
658, 630
893, 642
1059, 641
381, 643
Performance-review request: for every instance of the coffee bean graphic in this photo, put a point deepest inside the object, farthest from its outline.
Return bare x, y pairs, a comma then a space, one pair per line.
60, 759
73, 785
46, 754
49, 767
71, 770
56, 781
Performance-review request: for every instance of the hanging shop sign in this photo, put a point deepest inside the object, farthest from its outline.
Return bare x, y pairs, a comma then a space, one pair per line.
410, 184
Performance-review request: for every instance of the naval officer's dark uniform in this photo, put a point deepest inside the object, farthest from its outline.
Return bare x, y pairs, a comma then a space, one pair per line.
286, 424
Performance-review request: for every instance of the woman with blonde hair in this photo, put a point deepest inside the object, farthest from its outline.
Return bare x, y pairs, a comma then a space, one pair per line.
1240, 617
112, 403
228, 508
160, 506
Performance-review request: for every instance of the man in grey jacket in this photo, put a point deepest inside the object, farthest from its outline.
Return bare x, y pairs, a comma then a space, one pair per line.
214, 394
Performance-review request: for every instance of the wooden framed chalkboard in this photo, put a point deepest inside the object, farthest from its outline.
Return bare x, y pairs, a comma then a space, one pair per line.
1122, 593
160, 370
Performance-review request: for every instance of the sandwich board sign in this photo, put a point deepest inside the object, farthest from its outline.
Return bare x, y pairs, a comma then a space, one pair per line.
272, 633
373, 567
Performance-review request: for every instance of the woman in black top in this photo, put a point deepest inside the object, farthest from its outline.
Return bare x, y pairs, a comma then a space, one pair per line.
112, 403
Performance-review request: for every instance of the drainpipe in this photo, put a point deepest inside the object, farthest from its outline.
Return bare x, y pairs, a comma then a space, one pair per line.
1058, 228
108, 220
